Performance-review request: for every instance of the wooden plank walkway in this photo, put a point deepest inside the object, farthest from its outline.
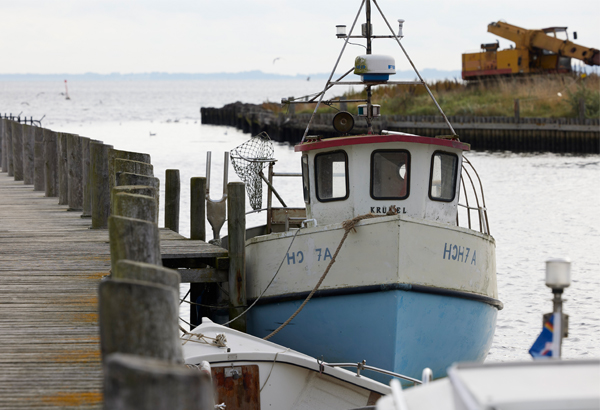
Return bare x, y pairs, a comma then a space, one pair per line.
50, 266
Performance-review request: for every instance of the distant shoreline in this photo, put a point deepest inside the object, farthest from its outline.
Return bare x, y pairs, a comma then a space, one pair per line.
427, 74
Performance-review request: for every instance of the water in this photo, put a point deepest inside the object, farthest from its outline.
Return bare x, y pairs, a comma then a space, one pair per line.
540, 205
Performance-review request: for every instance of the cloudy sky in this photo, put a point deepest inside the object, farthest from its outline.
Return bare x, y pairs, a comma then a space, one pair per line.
207, 36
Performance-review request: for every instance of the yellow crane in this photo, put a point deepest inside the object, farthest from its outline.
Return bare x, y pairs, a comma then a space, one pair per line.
548, 50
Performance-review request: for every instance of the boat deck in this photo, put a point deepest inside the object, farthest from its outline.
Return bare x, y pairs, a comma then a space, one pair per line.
50, 267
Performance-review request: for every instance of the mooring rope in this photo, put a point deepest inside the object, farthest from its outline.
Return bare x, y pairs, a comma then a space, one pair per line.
348, 226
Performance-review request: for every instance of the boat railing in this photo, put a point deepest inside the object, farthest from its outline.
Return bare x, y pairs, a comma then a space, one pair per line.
294, 220
363, 366
472, 192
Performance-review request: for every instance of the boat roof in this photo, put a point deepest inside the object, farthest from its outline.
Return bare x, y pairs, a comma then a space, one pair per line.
541, 384
378, 139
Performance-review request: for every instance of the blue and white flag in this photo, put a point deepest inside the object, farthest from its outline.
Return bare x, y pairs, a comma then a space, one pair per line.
547, 343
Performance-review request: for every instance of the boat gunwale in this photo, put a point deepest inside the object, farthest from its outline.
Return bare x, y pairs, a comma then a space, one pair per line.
384, 287
378, 219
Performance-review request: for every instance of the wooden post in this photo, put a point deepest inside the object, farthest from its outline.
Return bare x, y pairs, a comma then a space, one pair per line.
134, 206
28, 153
198, 208
99, 183
126, 178
39, 181
63, 169
198, 232
139, 383
75, 174
172, 196
113, 154
2, 146
236, 226
133, 239
140, 318
582, 109
517, 110
51, 163
8, 132
134, 167
17, 150
86, 177
147, 272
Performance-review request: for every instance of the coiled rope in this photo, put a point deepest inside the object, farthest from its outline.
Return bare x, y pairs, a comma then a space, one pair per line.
348, 226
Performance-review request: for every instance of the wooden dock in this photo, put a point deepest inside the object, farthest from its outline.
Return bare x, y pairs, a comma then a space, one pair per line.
51, 264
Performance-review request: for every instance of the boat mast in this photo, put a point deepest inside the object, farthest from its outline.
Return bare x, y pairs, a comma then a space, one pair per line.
367, 32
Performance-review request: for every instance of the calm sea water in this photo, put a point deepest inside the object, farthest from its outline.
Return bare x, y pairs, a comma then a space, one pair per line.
540, 205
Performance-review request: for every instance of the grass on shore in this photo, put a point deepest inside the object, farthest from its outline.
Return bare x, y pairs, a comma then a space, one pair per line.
545, 96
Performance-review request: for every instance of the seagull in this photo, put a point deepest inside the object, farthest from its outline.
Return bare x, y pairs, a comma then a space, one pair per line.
278, 58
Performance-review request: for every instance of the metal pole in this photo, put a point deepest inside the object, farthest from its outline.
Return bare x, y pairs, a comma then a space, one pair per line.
557, 303
415, 68
332, 72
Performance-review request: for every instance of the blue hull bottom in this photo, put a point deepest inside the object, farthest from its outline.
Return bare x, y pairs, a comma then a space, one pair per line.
396, 330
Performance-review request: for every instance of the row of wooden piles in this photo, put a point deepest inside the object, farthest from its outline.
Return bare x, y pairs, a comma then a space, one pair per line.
139, 302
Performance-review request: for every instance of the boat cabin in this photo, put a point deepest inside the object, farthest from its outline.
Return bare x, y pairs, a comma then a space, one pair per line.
349, 176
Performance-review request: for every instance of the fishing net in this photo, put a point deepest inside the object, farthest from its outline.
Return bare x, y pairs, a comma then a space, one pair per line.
248, 161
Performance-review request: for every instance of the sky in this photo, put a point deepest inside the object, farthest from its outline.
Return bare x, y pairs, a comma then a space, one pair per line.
275, 36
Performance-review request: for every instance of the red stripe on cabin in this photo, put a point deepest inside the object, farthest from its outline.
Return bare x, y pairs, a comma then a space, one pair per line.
378, 139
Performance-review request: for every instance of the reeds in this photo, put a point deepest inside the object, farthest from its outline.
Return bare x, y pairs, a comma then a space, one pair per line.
542, 96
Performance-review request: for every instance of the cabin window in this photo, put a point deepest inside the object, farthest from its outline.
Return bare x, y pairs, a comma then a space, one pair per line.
331, 176
442, 182
390, 174
305, 179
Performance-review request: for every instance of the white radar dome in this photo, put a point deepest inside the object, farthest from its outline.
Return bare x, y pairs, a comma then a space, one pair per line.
374, 67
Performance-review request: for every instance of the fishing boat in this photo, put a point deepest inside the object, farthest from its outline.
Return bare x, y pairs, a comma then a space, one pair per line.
391, 261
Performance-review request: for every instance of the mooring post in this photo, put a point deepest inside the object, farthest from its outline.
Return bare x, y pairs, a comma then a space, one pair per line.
134, 202
50, 163
147, 272
9, 154
198, 208
99, 184
2, 146
17, 150
63, 169
517, 110
75, 173
172, 197
236, 226
126, 178
130, 383
134, 167
28, 153
133, 239
115, 154
39, 181
140, 318
198, 232
582, 109
87, 176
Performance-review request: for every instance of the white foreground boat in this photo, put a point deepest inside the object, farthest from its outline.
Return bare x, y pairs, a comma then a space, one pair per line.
251, 373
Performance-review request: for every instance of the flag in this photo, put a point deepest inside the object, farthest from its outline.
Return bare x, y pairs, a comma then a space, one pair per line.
547, 343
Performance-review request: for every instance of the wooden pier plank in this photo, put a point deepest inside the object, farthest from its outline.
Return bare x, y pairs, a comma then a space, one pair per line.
50, 266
